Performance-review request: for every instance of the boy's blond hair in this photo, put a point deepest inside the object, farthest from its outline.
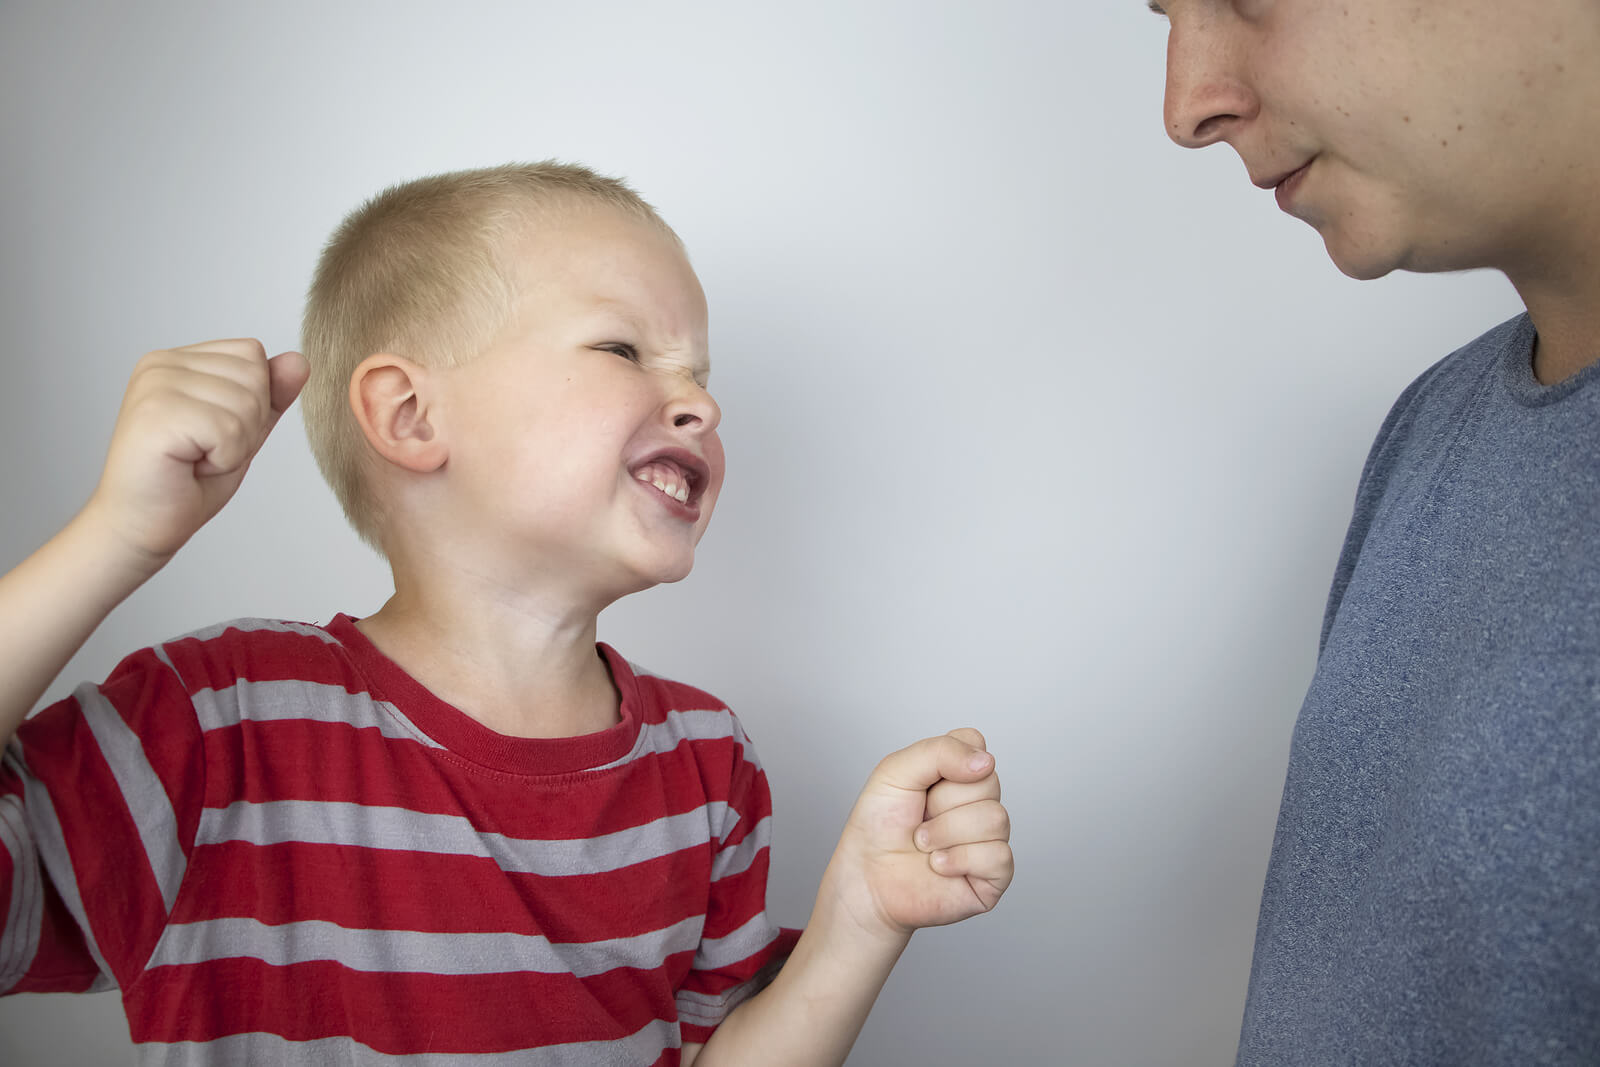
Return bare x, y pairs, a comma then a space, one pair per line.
423, 271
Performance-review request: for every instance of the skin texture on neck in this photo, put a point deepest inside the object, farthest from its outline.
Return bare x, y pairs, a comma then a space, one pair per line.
1562, 293
521, 666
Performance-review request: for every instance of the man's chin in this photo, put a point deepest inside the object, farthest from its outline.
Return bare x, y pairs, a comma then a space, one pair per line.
1363, 263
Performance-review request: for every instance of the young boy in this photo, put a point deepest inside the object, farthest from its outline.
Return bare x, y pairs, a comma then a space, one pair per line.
1433, 895
457, 826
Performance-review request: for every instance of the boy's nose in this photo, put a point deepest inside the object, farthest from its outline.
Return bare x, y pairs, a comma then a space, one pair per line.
1206, 96
691, 407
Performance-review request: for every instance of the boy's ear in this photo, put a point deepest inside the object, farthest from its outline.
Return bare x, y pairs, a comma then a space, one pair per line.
392, 402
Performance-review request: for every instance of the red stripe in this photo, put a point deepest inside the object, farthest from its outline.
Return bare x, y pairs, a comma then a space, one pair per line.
394, 1013
661, 696
261, 656
377, 888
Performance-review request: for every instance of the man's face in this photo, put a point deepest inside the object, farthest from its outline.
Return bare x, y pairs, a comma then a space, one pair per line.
1416, 134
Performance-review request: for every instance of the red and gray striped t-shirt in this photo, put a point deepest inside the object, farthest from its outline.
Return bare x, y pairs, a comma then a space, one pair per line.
284, 849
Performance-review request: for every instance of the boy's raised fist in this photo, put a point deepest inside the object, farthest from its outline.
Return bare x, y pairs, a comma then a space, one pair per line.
191, 421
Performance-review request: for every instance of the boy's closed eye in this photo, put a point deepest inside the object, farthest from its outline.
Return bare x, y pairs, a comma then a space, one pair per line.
631, 353
621, 348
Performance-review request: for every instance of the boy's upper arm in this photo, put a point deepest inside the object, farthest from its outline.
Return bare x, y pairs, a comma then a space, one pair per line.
691, 1051
42, 949
100, 797
741, 948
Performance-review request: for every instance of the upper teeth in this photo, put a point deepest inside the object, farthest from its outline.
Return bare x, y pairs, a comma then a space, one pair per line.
665, 478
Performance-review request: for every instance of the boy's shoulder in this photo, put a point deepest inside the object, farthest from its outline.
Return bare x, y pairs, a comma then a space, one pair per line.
263, 669
675, 710
251, 649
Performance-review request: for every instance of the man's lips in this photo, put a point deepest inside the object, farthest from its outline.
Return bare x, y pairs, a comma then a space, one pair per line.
1277, 178
1283, 183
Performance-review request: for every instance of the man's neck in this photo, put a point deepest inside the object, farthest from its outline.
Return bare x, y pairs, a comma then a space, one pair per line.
1557, 274
1566, 315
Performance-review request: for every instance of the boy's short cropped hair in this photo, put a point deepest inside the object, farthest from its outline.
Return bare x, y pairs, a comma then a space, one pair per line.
422, 271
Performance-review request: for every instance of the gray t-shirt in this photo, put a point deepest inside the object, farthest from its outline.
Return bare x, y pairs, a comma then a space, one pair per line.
1434, 890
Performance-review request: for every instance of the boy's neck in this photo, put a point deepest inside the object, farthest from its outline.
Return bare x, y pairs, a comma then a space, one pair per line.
520, 669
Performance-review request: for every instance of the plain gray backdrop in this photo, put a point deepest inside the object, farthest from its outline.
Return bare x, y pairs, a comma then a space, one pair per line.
1034, 421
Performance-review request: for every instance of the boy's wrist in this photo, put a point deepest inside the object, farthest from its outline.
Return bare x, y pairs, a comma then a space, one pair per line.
93, 536
846, 917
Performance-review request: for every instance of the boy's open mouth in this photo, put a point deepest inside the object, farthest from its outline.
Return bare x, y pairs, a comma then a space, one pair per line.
678, 474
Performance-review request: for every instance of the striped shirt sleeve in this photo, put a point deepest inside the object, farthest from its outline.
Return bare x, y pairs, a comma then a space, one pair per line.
740, 949
99, 797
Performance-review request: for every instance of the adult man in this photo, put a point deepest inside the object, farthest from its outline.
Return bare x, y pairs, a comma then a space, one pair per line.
1434, 889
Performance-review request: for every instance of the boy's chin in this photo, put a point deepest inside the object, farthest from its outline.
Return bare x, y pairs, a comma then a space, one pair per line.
662, 573
675, 574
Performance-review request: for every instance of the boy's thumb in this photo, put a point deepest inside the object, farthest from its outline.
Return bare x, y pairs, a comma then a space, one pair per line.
975, 761
287, 373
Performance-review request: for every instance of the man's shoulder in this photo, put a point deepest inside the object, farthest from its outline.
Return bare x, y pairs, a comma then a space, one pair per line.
1466, 367
1447, 395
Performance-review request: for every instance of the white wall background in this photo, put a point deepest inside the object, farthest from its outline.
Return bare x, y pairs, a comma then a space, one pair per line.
1034, 421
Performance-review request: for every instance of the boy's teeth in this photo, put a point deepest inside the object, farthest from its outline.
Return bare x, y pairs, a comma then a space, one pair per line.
666, 479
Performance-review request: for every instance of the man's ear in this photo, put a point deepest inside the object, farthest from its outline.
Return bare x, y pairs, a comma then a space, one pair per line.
391, 398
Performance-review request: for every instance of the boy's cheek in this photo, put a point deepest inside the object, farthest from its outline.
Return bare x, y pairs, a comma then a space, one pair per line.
717, 460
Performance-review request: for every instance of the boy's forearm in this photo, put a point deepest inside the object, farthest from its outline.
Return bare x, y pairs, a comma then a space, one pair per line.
52, 602
812, 1012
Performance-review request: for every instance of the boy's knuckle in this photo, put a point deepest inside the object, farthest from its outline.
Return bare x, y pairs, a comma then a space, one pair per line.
148, 365
232, 424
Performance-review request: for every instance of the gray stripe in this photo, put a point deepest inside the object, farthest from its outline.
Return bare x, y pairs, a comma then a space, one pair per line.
143, 792
710, 1009
699, 724
737, 860
716, 953
696, 724
414, 951
51, 844
278, 701
19, 940
166, 660
247, 1050
370, 826
211, 633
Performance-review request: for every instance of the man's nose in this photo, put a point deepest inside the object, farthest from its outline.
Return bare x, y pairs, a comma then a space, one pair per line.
1207, 93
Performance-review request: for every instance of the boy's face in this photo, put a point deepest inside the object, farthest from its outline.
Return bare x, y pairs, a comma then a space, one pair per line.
583, 442
1418, 134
